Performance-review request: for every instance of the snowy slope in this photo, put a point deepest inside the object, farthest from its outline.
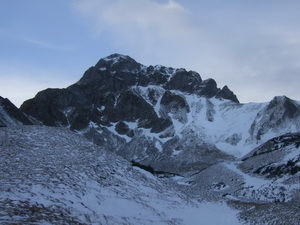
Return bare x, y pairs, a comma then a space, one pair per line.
227, 125
53, 176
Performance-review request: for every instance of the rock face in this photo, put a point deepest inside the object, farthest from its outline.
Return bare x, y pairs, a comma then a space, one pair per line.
226, 93
10, 114
166, 118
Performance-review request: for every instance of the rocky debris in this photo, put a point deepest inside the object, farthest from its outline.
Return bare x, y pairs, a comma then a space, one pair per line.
51, 175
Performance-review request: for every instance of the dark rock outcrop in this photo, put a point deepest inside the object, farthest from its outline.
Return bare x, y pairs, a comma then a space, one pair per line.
48, 106
184, 81
10, 115
209, 88
226, 93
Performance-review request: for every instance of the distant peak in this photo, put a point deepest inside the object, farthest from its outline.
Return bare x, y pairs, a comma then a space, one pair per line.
280, 98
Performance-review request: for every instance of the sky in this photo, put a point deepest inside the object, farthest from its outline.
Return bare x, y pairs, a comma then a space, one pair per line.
253, 47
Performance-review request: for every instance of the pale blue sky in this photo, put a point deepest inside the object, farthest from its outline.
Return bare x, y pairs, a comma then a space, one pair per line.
251, 46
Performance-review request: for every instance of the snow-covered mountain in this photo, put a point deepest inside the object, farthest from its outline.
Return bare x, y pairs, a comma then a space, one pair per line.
197, 142
167, 118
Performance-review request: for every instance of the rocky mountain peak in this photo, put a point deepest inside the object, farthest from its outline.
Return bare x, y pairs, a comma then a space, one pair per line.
277, 100
119, 72
288, 107
118, 62
226, 93
276, 116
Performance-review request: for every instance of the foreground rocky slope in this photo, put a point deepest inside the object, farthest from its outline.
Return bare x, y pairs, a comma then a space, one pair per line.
53, 176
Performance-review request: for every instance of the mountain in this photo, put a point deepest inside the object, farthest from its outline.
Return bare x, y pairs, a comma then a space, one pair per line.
10, 115
190, 139
166, 118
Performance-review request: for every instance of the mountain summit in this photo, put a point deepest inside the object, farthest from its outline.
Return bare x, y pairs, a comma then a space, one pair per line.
118, 72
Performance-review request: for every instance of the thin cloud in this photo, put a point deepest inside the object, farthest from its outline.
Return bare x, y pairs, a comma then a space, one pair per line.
34, 41
247, 47
135, 17
28, 82
44, 44
156, 32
